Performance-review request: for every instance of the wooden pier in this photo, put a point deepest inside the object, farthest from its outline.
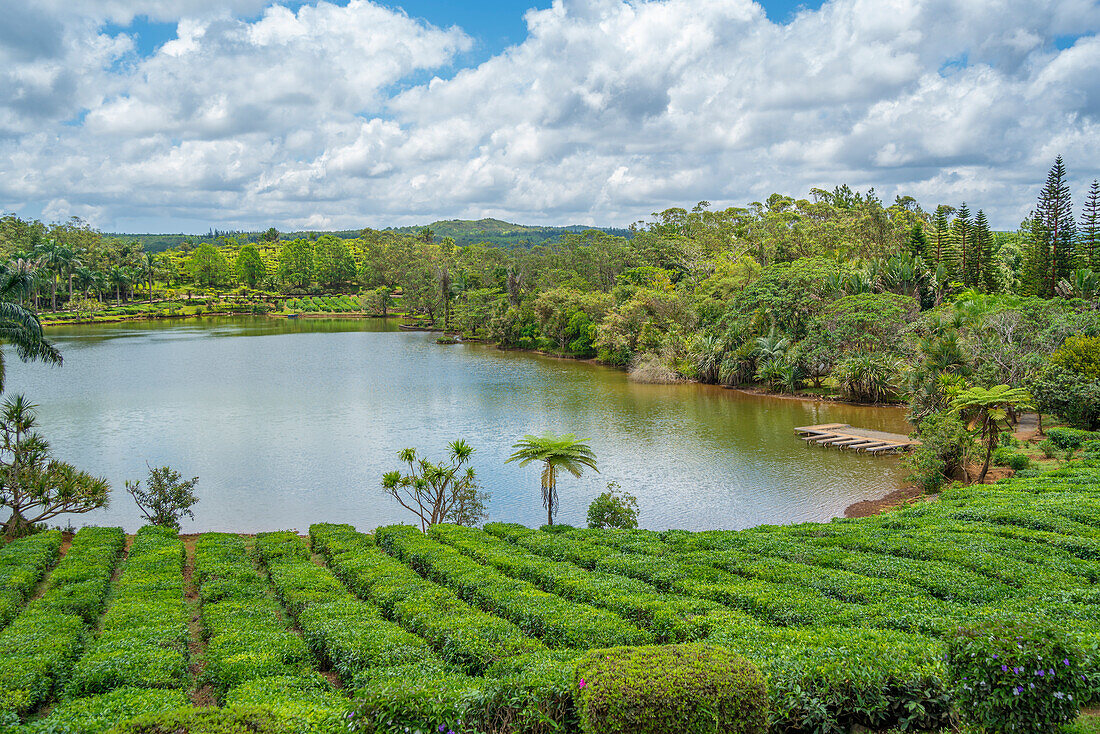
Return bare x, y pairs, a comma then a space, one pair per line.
845, 436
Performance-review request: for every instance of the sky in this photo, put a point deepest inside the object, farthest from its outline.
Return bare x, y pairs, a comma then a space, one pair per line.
182, 115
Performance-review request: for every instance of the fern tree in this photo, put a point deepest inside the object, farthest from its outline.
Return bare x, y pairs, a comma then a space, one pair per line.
987, 408
556, 453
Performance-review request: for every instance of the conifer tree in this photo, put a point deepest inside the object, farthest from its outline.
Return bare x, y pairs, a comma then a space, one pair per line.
1055, 217
941, 254
983, 249
1090, 229
918, 242
962, 236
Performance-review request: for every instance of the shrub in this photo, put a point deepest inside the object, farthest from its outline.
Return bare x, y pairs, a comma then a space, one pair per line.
681, 689
1048, 448
1011, 677
1080, 355
945, 446
1005, 456
614, 509
167, 498
208, 721
402, 703
95, 714
1070, 438
308, 703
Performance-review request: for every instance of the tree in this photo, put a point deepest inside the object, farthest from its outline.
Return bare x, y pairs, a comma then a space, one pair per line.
944, 448
1054, 215
986, 275
439, 492
987, 407
333, 264
270, 235
120, 278
208, 267
1090, 228
962, 234
614, 509
166, 499
555, 452
33, 485
250, 266
19, 326
296, 263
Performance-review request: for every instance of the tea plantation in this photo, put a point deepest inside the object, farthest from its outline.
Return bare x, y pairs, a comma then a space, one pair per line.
847, 626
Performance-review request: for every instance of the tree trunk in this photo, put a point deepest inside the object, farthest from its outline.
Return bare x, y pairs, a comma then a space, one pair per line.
990, 439
118, 294
16, 526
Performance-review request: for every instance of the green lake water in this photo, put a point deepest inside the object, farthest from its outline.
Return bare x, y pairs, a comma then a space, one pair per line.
289, 422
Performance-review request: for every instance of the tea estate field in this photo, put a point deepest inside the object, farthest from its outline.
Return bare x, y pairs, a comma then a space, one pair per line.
465, 630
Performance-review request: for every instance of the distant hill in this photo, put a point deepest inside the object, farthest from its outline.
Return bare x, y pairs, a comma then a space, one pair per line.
463, 231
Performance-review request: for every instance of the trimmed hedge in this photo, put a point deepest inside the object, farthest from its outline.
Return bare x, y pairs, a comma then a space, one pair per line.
37, 649
94, 714
679, 689
350, 633
246, 631
208, 721
558, 622
671, 617
461, 634
22, 565
143, 637
308, 704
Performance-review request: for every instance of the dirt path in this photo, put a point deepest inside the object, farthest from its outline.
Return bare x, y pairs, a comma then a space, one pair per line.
202, 695
40, 587
1028, 427
897, 498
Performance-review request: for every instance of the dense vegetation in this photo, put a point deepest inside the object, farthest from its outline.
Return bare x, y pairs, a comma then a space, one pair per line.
851, 622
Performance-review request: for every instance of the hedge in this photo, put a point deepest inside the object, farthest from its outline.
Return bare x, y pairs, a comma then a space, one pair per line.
37, 649
208, 721
22, 565
246, 631
679, 689
461, 634
309, 704
557, 621
143, 637
348, 632
95, 714
671, 617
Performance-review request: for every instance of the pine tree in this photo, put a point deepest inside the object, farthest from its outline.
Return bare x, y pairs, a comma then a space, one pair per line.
918, 242
983, 249
1035, 248
941, 239
1089, 244
1055, 217
962, 236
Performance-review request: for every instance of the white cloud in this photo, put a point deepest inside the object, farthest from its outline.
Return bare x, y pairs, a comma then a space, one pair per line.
607, 111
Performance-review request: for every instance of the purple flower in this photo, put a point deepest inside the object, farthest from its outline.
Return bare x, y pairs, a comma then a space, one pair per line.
1004, 668
1016, 671
1040, 672
1017, 691
442, 727
1066, 661
995, 656
581, 683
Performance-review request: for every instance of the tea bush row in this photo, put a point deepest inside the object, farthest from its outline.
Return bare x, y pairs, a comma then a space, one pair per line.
37, 649
346, 631
22, 565
671, 617
558, 622
143, 638
465, 636
245, 630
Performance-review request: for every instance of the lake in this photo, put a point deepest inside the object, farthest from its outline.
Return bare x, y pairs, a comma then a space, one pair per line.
290, 422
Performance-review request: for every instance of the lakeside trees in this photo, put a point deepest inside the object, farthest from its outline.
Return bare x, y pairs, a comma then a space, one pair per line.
555, 453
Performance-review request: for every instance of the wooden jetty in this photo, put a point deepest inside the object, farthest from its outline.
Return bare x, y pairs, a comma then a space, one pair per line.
845, 436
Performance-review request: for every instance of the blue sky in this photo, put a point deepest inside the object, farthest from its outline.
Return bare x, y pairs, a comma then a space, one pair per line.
180, 115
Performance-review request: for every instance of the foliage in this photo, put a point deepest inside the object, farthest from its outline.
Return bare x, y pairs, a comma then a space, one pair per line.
1080, 355
208, 721
987, 407
95, 714
208, 267
249, 266
1011, 677
667, 690
439, 492
944, 449
34, 486
556, 453
867, 378
1072, 397
614, 509
166, 499
22, 564
1070, 438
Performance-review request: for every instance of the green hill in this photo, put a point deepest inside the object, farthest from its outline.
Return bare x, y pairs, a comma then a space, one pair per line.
463, 231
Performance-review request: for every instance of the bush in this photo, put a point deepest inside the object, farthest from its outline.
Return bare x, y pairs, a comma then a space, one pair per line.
1048, 448
1005, 456
944, 448
95, 714
1070, 438
208, 721
681, 689
614, 509
1010, 677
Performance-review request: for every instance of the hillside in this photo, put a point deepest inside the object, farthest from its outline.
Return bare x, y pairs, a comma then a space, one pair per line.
464, 232
846, 620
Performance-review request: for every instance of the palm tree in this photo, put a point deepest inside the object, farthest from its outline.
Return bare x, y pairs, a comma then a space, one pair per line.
987, 407
19, 325
55, 258
556, 452
120, 278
